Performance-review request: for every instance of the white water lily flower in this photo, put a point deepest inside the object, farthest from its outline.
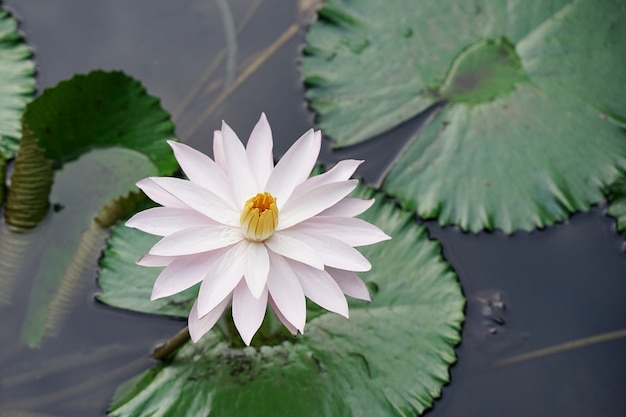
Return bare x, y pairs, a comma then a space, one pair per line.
257, 234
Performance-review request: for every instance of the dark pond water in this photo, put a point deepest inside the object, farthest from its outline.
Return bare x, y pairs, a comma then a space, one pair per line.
525, 292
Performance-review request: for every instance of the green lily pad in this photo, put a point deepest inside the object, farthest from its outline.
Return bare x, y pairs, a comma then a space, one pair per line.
101, 109
17, 82
390, 358
528, 108
127, 285
96, 110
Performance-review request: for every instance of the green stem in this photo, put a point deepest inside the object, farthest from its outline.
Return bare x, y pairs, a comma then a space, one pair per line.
172, 344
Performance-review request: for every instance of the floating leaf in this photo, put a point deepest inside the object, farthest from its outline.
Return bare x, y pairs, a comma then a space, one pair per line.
389, 359
528, 104
97, 110
127, 285
17, 83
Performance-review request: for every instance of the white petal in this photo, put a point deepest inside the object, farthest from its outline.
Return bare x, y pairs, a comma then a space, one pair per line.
198, 326
286, 292
248, 311
348, 207
198, 240
242, 180
332, 251
257, 267
153, 260
350, 283
313, 202
342, 171
292, 329
353, 232
259, 151
222, 278
200, 199
321, 288
163, 221
158, 194
294, 167
202, 170
218, 150
295, 249
183, 273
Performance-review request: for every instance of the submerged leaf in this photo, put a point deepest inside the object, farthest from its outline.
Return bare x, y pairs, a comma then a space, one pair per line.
17, 83
74, 240
529, 108
389, 359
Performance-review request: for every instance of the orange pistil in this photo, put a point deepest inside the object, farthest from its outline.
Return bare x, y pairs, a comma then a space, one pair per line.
259, 217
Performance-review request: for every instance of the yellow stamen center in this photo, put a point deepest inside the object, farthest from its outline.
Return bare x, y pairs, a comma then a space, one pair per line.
259, 217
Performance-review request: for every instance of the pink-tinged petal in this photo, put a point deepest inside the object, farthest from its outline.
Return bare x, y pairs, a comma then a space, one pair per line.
321, 288
158, 194
257, 267
350, 283
295, 249
259, 151
198, 240
292, 329
200, 199
342, 171
313, 202
286, 292
153, 260
183, 273
353, 232
332, 251
242, 180
202, 170
218, 149
222, 279
248, 311
199, 326
294, 167
163, 221
348, 207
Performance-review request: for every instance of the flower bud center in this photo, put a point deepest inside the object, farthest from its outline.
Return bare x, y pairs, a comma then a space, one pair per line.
259, 217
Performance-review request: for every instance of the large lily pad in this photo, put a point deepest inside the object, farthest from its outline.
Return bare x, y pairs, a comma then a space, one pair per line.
389, 359
17, 82
528, 103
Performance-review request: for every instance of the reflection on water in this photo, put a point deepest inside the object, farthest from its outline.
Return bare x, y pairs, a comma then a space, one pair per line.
557, 285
